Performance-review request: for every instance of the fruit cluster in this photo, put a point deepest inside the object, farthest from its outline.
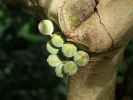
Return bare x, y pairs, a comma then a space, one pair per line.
64, 56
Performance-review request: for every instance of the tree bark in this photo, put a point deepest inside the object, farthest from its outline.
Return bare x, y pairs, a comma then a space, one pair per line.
104, 27
97, 80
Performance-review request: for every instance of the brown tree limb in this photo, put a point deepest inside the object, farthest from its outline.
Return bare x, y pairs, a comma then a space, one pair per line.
97, 80
114, 16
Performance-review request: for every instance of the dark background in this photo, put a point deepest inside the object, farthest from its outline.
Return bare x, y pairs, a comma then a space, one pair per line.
24, 72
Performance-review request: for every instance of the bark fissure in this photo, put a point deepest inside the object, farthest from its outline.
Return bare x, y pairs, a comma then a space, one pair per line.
100, 19
87, 17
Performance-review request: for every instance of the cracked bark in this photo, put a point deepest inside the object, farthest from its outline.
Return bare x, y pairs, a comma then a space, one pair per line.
105, 27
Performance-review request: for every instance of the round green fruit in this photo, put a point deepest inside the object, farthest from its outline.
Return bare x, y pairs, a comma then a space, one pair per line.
51, 49
70, 68
54, 61
46, 27
81, 58
57, 40
59, 71
69, 50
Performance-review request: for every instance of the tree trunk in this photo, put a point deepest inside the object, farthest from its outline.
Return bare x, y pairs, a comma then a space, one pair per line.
96, 81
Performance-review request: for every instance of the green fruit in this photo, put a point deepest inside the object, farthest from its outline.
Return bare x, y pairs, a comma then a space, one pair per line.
81, 58
51, 49
54, 61
59, 71
69, 50
70, 68
46, 27
57, 40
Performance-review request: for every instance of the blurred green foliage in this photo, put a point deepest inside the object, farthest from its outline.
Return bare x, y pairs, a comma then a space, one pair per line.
24, 73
